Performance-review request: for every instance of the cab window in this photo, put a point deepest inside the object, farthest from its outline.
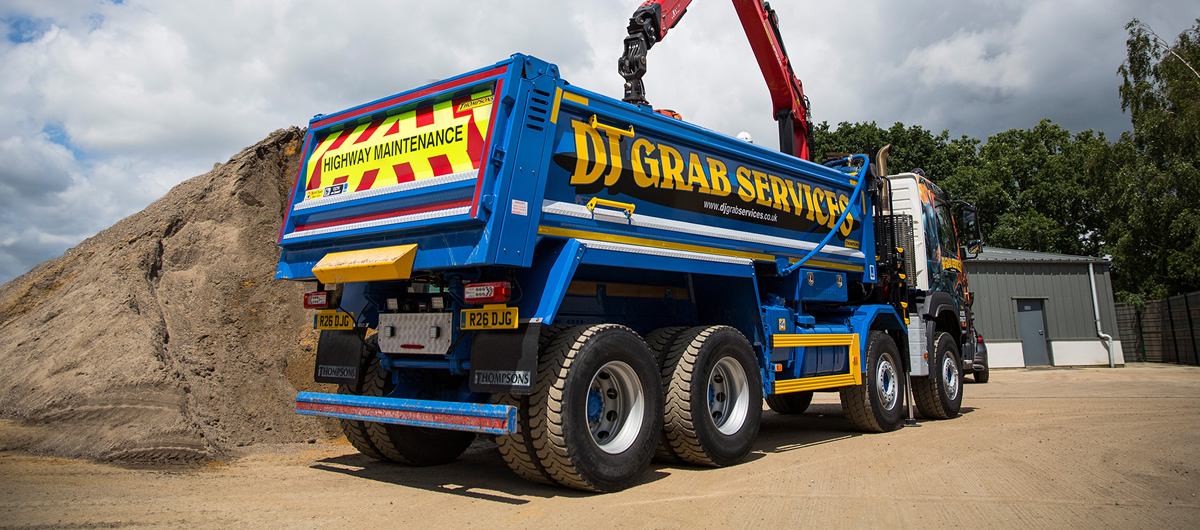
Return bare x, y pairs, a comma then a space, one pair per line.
947, 238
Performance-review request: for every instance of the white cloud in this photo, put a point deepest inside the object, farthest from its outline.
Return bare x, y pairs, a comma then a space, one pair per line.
104, 106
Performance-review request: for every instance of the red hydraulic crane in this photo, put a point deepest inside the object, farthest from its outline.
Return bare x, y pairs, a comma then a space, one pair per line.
650, 23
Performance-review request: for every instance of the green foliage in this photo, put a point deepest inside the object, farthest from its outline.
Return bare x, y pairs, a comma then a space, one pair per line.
1045, 189
1152, 199
1028, 185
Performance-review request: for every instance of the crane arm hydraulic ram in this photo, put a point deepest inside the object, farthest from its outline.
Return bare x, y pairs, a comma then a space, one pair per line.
650, 23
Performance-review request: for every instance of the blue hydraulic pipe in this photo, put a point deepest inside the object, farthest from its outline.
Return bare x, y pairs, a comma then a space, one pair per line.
862, 179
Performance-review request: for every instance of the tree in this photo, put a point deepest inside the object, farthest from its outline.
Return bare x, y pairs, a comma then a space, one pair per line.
1032, 189
1153, 173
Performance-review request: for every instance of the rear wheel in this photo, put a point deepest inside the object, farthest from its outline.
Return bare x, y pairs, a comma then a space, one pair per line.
876, 404
714, 398
660, 341
416, 446
790, 403
517, 448
939, 396
597, 412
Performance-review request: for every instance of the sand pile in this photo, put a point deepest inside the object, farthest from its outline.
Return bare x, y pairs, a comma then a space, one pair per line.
164, 338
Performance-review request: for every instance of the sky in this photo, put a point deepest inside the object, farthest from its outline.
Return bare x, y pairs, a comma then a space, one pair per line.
107, 104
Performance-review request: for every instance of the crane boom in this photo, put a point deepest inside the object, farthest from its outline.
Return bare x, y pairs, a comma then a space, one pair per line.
649, 25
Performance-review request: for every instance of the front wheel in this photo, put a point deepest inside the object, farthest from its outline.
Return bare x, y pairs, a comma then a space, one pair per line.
877, 404
939, 396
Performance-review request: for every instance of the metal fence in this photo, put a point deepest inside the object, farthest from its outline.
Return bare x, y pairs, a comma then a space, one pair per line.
1166, 331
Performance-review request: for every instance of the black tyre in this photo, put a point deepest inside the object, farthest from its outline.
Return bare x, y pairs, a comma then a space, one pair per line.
595, 417
714, 399
517, 448
790, 403
415, 446
939, 396
659, 341
356, 431
982, 376
877, 404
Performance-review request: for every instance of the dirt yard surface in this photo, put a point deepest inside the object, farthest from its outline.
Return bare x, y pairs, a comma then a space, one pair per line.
1034, 448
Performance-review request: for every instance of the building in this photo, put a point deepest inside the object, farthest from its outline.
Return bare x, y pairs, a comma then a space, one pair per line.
1037, 309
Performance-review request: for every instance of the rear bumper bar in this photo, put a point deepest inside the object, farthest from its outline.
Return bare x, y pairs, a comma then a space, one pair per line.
469, 417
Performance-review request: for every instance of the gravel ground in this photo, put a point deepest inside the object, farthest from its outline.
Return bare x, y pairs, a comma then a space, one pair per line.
1034, 448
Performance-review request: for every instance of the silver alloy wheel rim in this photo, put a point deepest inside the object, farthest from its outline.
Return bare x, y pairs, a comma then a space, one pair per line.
728, 396
615, 407
950, 377
886, 383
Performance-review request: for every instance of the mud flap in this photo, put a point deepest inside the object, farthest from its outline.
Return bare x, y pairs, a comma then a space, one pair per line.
339, 353
505, 361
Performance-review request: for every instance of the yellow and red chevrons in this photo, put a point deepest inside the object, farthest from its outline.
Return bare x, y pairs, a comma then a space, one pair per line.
431, 141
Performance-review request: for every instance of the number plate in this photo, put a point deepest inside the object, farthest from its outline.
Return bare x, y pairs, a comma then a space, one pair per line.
490, 317
330, 319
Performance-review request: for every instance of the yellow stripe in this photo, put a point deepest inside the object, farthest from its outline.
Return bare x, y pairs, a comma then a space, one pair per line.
824, 339
829, 265
558, 94
579, 234
813, 339
816, 383
575, 98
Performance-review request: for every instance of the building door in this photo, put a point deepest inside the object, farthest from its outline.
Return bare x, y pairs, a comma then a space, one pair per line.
1033, 332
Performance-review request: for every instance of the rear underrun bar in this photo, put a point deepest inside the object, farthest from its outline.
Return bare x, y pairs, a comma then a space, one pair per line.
469, 417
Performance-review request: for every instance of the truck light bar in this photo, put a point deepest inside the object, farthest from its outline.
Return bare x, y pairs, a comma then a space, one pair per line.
487, 293
469, 417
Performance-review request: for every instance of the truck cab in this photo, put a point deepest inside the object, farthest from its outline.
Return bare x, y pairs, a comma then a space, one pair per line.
945, 233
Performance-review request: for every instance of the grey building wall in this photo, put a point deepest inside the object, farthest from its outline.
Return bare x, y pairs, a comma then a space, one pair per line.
1060, 281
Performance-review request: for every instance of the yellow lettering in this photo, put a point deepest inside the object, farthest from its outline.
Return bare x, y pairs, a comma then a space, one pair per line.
834, 212
761, 187
745, 187
779, 199
849, 223
672, 166
808, 201
640, 146
720, 178
791, 188
818, 196
614, 147
696, 175
586, 138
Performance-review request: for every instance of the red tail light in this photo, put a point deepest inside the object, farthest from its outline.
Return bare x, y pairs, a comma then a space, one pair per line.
978, 339
487, 293
316, 300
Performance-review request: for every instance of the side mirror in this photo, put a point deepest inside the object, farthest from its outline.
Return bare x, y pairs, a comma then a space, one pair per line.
971, 226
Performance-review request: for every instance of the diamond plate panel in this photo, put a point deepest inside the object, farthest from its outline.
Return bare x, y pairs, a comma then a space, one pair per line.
415, 332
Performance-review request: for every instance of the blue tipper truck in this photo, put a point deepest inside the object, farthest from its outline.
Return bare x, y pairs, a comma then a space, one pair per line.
597, 284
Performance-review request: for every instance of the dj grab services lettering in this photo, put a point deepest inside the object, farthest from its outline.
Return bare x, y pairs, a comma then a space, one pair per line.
742, 192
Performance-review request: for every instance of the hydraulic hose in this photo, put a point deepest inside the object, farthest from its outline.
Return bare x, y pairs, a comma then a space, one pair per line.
853, 205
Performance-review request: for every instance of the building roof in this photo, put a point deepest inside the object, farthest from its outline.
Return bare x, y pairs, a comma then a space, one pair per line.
993, 254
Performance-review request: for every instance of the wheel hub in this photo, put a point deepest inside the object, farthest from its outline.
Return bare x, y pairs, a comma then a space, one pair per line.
615, 407
887, 383
728, 395
950, 376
